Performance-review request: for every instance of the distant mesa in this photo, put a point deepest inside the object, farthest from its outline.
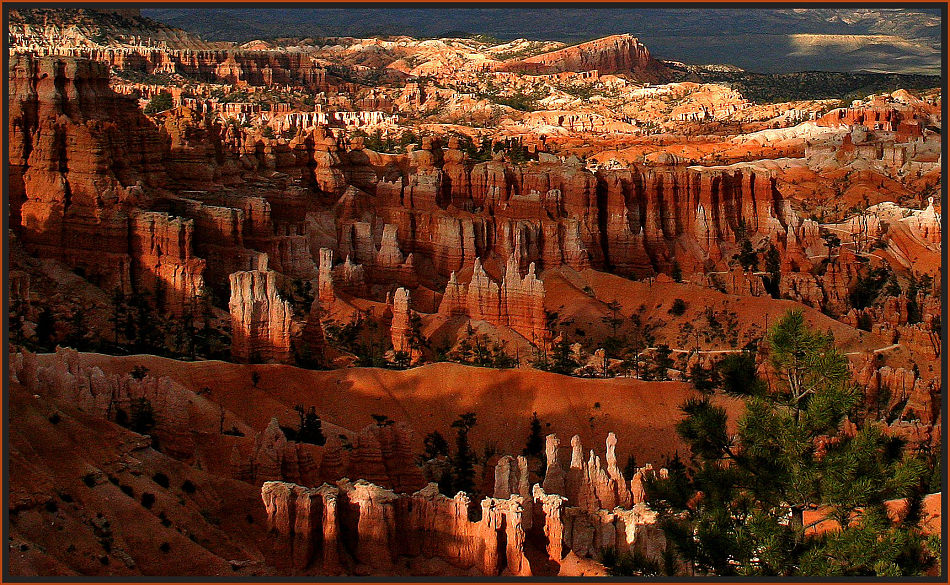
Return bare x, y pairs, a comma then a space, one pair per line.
613, 54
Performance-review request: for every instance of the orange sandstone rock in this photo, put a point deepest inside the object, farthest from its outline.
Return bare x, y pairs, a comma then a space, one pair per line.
260, 318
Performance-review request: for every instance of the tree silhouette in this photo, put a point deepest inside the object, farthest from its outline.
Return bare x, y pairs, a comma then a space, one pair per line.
463, 463
535, 444
311, 428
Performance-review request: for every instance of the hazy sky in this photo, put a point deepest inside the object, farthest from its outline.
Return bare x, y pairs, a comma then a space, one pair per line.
907, 40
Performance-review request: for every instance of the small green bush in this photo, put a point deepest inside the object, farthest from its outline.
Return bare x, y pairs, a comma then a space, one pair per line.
159, 103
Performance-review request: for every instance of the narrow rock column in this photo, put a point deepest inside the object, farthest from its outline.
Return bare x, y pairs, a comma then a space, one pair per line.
377, 525
401, 328
554, 476
260, 318
325, 277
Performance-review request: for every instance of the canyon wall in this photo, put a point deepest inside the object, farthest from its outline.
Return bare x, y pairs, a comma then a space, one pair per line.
170, 406
611, 54
232, 66
160, 207
635, 221
358, 524
84, 163
517, 303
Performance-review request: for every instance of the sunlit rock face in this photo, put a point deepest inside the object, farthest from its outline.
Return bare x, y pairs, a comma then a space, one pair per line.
260, 318
372, 526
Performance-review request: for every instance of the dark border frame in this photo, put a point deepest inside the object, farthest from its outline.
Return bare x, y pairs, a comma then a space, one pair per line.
942, 578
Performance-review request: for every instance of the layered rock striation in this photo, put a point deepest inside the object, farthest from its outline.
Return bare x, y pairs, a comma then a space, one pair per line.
83, 161
122, 398
611, 54
360, 526
260, 318
517, 303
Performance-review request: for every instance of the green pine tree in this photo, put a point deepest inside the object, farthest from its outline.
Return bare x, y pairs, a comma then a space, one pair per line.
311, 427
740, 507
463, 463
535, 444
